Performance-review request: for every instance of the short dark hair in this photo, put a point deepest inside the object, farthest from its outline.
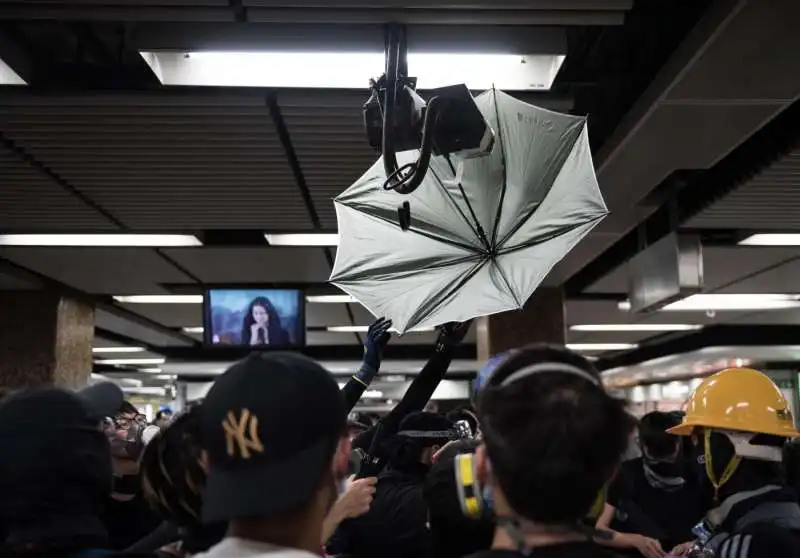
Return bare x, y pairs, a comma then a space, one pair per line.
554, 438
172, 476
653, 435
127, 408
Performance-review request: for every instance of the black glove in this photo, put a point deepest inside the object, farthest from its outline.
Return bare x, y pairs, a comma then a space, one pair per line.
377, 337
451, 335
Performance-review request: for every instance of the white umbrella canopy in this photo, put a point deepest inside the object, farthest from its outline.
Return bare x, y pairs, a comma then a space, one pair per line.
484, 231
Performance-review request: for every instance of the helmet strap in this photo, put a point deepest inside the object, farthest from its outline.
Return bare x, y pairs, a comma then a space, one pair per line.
730, 468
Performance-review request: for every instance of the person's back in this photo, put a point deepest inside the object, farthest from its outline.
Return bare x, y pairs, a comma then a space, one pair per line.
55, 470
273, 486
396, 524
552, 440
741, 421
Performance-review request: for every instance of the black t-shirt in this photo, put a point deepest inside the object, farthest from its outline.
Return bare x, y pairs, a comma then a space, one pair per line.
584, 549
667, 516
128, 522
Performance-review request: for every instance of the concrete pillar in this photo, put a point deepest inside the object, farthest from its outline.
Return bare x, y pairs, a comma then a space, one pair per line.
45, 339
542, 319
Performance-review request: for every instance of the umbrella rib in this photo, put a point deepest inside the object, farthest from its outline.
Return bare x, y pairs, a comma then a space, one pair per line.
532, 211
441, 185
533, 242
446, 295
503, 164
413, 229
507, 282
478, 229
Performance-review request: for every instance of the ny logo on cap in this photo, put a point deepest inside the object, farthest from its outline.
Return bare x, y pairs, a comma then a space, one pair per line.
239, 443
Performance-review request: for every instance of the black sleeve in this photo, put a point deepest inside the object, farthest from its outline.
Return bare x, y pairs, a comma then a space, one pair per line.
355, 386
164, 534
415, 399
760, 541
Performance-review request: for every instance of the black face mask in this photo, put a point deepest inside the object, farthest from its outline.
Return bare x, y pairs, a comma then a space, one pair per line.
128, 485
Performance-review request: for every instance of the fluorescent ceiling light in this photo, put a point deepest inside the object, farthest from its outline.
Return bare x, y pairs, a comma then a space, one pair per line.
8, 76
129, 240
117, 349
634, 327
331, 299
601, 346
304, 239
147, 390
771, 239
130, 361
167, 377
731, 302
150, 370
373, 394
197, 329
351, 70
364, 329
160, 299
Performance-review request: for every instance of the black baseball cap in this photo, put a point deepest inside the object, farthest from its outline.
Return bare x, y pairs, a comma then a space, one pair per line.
270, 425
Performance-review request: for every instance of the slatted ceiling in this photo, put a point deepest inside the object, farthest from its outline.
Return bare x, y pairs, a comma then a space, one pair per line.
170, 315
165, 161
99, 270
253, 264
768, 201
721, 265
29, 200
328, 136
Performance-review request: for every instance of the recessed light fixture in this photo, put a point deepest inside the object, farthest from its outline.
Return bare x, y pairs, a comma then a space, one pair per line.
351, 70
634, 327
373, 394
331, 299
150, 370
8, 76
589, 347
729, 302
167, 377
130, 361
99, 240
110, 350
364, 329
160, 299
772, 239
194, 329
303, 239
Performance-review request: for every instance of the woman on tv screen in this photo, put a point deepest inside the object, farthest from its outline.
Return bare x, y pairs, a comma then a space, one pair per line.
262, 325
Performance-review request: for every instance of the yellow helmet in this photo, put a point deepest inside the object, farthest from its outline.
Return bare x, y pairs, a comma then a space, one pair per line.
739, 399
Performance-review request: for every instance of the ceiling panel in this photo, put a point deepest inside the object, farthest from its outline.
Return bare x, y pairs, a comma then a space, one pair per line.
110, 321
99, 270
327, 131
12, 283
177, 160
321, 315
170, 315
254, 264
328, 338
721, 265
782, 277
31, 201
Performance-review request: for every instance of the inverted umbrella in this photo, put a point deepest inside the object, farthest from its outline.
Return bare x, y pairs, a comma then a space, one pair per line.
484, 232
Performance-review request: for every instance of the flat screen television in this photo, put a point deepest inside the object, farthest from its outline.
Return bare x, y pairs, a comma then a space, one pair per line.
257, 318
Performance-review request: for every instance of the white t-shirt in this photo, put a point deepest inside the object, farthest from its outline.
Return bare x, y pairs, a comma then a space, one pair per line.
231, 547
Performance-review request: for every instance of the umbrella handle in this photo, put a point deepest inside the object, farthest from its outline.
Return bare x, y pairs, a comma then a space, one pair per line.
404, 216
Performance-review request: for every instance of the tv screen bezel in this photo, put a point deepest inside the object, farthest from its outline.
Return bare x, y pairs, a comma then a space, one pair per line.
207, 323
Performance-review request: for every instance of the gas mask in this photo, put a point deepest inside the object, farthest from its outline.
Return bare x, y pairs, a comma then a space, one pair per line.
129, 436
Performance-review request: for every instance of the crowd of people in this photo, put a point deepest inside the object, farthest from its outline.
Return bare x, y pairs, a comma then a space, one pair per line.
274, 463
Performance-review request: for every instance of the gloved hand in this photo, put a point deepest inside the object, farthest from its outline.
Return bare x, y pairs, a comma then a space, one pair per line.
377, 337
451, 335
